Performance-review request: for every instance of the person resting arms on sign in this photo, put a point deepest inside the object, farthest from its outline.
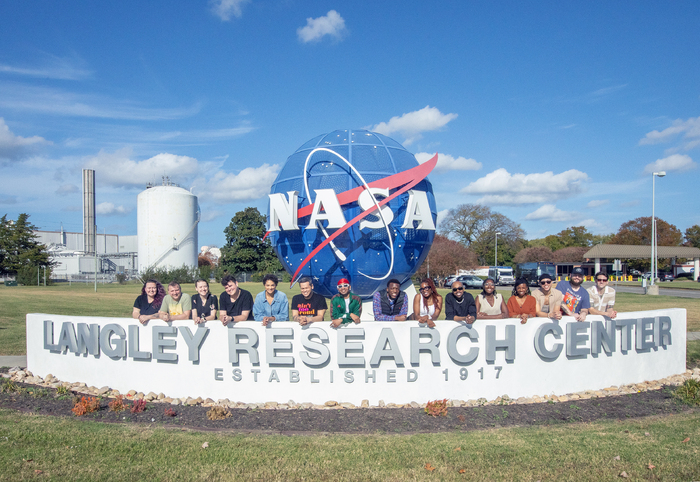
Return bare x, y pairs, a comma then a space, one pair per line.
345, 306
204, 304
427, 304
522, 304
460, 305
148, 302
489, 304
271, 304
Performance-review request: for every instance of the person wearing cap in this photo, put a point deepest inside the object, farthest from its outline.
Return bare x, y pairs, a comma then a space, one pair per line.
308, 306
390, 304
602, 297
576, 300
548, 299
345, 306
459, 305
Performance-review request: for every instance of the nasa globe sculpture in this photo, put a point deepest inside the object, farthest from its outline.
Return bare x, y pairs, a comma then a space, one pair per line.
352, 204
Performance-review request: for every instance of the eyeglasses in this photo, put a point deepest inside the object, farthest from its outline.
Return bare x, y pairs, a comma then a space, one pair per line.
457, 289
344, 285
425, 288
546, 282
601, 279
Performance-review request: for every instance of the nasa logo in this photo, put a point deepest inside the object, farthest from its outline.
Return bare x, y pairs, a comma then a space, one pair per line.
352, 204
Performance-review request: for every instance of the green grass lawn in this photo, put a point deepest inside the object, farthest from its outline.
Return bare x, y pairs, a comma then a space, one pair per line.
71, 449
116, 300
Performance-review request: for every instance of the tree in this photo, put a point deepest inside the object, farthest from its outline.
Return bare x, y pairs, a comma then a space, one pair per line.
245, 249
446, 257
19, 247
572, 254
575, 236
638, 232
534, 254
692, 236
475, 226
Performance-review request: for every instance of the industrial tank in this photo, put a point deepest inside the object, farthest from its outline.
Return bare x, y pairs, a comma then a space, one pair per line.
167, 227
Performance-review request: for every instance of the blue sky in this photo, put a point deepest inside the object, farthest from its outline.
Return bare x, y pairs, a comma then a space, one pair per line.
552, 113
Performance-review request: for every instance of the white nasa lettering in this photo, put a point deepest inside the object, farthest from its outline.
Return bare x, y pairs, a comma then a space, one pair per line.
418, 209
327, 207
366, 202
283, 212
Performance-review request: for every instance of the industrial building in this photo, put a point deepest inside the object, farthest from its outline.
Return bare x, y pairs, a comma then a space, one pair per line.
167, 220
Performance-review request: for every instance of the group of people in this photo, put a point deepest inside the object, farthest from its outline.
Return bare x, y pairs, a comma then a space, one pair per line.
390, 304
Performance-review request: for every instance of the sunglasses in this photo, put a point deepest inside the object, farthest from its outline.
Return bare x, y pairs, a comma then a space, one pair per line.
425, 288
546, 282
601, 279
457, 289
344, 285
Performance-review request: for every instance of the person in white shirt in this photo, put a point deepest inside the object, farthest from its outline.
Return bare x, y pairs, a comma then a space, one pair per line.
602, 297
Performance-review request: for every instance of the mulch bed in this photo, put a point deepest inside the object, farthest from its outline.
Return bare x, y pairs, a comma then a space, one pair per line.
45, 401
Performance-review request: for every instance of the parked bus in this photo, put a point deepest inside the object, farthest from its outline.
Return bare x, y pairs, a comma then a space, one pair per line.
532, 271
502, 275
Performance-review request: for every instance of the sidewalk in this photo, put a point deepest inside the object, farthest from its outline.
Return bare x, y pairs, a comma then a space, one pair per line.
21, 361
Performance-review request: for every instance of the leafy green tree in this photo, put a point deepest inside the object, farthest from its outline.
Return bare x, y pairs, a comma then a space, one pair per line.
638, 232
575, 236
533, 254
245, 249
19, 247
475, 226
692, 236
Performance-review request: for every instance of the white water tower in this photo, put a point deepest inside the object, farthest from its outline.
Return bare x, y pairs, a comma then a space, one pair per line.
167, 227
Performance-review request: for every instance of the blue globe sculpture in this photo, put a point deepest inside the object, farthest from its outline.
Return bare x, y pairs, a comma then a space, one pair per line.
361, 255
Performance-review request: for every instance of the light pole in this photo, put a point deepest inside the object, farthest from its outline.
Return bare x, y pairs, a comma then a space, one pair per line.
654, 247
495, 262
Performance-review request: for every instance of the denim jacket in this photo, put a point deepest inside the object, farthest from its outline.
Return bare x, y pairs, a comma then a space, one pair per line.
279, 307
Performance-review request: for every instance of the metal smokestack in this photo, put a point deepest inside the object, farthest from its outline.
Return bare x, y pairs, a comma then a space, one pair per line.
89, 225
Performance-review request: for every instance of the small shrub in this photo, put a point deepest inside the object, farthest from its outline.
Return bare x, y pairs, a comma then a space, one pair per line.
117, 405
86, 405
218, 413
121, 278
8, 386
689, 392
138, 406
436, 408
39, 393
62, 390
169, 412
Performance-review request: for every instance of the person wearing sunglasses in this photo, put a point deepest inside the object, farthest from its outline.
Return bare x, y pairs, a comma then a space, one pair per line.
427, 304
345, 306
459, 305
576, 301
548, 300
602, 297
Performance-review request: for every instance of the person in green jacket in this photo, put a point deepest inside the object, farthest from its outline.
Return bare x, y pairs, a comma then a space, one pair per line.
345, 306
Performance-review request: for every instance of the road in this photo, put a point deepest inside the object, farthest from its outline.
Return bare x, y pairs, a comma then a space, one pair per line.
663, 290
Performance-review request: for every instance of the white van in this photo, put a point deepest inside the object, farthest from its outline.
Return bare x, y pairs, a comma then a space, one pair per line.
502, 275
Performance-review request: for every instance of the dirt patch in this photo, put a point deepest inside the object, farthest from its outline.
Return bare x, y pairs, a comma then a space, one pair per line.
45, 401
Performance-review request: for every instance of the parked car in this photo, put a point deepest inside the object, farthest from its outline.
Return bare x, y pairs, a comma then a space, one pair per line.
635, 272
666, 276
469, 281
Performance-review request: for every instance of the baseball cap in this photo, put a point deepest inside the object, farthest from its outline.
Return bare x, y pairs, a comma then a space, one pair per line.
578, 271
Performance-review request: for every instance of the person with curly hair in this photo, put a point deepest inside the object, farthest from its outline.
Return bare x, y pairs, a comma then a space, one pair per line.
522, 304
148, 303
271, 304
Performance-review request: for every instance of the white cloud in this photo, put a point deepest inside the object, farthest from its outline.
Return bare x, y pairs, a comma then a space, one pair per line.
691, 128
14, 147
332, 24
549, 212
501, 187
449, 163
441, 215
119, 169
52, 67
675, 162
413, 124
66, 189
608, 90
598, 202
47, 100
210, 215
224, 9
109, 209
251, 183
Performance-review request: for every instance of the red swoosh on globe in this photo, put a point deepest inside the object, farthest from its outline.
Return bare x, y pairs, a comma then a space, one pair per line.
411, 177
